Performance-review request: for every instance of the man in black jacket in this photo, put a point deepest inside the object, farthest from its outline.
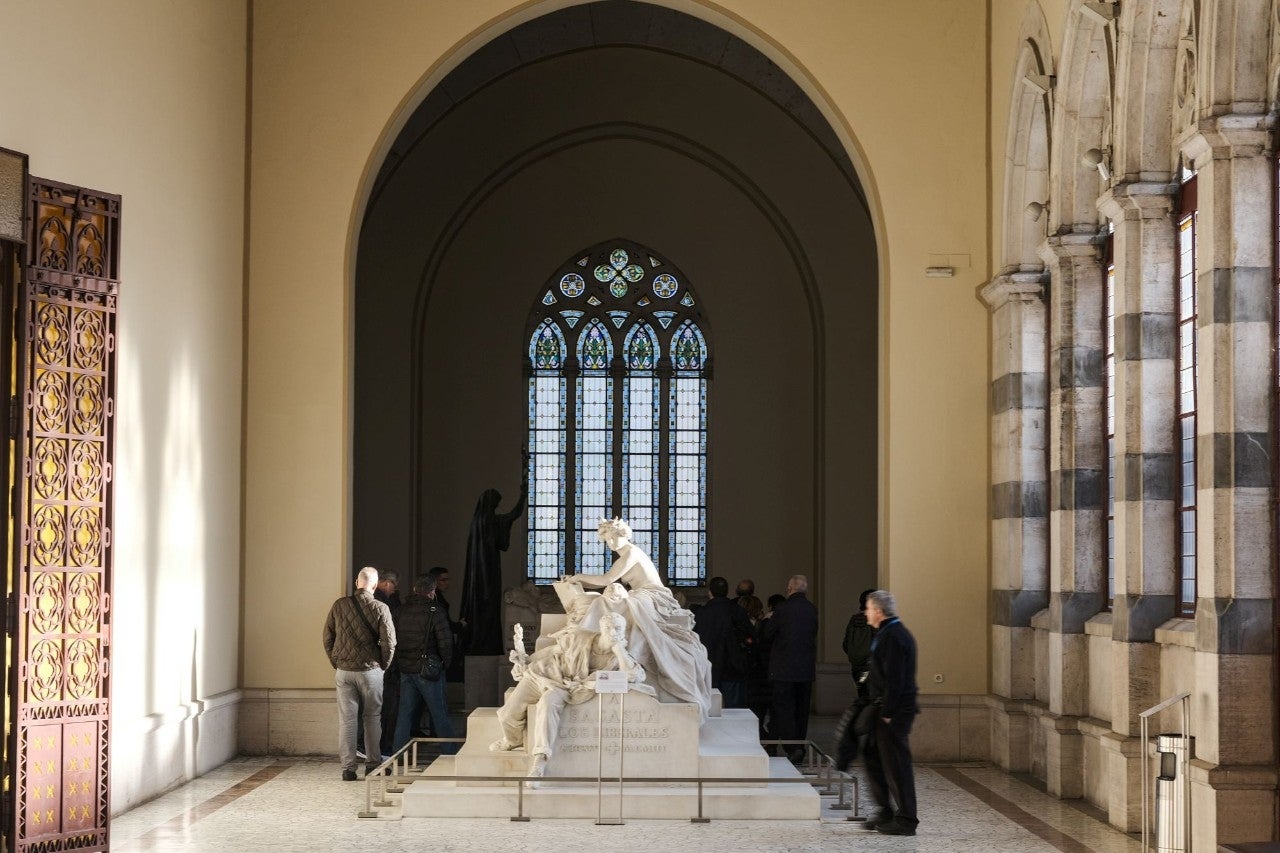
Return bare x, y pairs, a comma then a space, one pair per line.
792, 632
422, 627
726, 632
857, 645
893, 686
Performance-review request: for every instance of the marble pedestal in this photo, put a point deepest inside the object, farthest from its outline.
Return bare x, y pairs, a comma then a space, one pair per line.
661, 739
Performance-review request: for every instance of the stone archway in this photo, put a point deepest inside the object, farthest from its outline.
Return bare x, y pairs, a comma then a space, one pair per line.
719, 156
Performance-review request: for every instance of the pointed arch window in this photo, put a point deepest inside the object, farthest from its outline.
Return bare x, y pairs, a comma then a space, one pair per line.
618, 366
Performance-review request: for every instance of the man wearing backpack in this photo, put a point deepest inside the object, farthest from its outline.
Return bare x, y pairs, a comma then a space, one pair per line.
426, 646
360, 640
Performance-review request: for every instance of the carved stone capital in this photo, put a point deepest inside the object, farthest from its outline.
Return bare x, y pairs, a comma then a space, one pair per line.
1012, 287
1226, 137
1058, 248
1137, 200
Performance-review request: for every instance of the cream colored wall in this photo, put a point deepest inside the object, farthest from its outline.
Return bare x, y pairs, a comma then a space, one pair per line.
907, 79
146, 99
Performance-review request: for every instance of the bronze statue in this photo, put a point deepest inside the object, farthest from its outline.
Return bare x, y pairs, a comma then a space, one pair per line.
482, 599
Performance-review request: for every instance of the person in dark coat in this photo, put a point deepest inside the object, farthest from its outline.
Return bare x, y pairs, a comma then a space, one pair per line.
726, 632
388, 592
423, 626
857, 646
792, 634
893, 686
458, 627
759, 690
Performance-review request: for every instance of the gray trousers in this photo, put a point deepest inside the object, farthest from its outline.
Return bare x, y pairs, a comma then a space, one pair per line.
357, 689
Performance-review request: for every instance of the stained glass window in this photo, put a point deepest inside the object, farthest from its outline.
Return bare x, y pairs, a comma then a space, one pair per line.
617, 414
547, 458
1186, 434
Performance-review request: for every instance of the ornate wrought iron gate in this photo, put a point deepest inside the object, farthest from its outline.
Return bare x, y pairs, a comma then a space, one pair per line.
62, 426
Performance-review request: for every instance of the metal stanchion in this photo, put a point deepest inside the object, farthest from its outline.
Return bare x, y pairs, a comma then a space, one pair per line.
1178, 769
700, 818
520, 816
610, 681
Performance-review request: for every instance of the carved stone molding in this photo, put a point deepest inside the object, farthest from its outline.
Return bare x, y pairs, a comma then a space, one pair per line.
1012, 287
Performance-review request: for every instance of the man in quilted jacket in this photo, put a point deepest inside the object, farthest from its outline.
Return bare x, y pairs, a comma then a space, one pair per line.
360, 640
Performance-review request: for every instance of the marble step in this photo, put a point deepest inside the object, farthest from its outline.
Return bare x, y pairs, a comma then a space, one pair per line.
439, 799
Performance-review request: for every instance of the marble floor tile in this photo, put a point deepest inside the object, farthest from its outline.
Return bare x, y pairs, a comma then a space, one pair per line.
286, 805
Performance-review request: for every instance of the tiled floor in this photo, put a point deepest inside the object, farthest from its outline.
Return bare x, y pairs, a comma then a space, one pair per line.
283, 805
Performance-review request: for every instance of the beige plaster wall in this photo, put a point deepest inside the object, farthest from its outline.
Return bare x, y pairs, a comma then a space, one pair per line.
146, 99
907, 80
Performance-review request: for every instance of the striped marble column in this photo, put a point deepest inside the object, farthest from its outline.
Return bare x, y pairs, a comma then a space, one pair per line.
1235, 777
1077, 474
1146, 474
1019, 493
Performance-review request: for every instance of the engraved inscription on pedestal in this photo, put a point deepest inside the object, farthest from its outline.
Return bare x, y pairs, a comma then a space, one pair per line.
660, 739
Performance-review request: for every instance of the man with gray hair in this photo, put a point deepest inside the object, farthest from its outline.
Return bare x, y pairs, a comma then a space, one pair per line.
893, 687
792, 634
359, 640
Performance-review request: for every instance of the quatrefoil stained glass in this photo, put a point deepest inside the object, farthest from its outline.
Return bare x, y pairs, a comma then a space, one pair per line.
610, 432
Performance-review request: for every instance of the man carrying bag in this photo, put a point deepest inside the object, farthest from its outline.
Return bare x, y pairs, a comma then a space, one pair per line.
360, 641
426, 647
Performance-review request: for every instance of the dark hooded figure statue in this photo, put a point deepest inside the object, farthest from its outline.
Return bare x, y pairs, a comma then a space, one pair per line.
482, 598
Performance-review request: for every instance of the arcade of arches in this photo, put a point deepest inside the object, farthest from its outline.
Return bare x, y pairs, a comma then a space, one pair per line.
991, 288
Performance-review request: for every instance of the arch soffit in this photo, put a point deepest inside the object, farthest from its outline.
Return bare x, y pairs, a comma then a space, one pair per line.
1146, 61
1235, 36
702, 9
1083, 119
1273, 57
1027, 143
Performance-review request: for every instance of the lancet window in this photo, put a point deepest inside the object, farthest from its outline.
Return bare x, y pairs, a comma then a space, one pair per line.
618, 365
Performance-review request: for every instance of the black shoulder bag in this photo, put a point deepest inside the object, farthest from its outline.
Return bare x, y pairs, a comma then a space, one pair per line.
432, 663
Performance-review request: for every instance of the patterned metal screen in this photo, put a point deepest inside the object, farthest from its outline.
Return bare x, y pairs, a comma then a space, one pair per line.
65, 330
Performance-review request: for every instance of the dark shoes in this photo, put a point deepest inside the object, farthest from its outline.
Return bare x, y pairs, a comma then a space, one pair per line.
348, 775
879, 819
894, 828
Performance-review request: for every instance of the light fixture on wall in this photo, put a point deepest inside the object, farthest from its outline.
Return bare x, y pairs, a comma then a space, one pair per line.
1103, 13
1036, 209
1096, 158
1042, 83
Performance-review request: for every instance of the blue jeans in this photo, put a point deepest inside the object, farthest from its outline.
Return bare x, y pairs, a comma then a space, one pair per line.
414, 692
731, 693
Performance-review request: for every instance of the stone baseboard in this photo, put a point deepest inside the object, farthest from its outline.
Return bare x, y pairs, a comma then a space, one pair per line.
163, 750
289, 721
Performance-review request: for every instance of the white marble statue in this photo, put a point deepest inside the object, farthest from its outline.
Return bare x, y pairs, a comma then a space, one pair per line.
659, 631
557, 675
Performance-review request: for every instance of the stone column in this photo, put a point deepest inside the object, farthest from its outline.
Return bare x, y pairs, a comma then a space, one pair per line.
1077, 493
1019, 517
1146, 473
1234, 781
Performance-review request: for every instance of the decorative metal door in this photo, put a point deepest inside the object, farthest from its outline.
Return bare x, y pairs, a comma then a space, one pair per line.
63, 432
